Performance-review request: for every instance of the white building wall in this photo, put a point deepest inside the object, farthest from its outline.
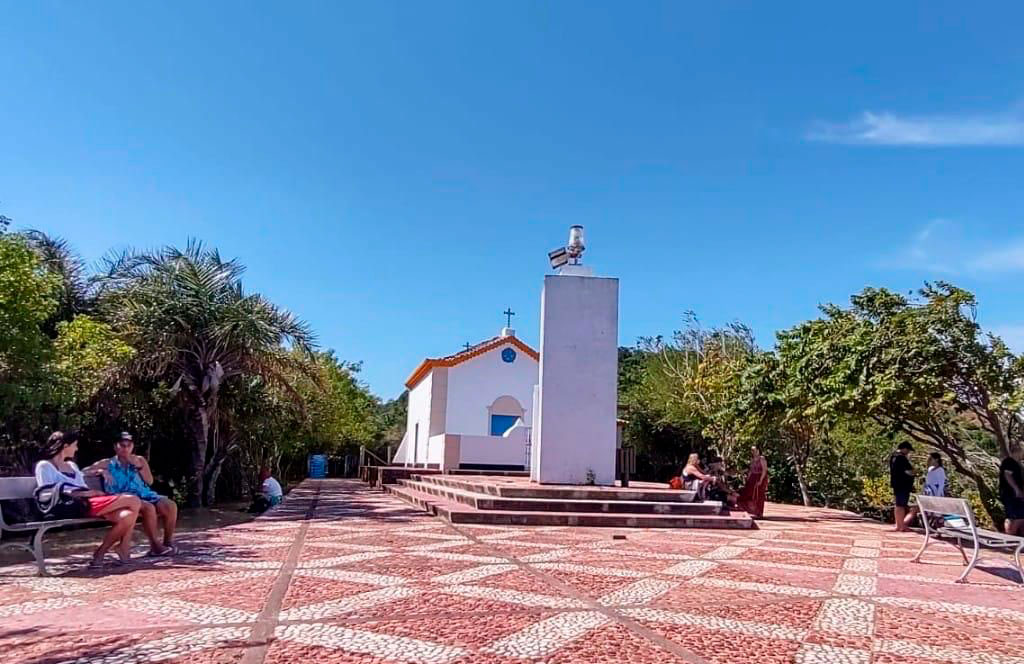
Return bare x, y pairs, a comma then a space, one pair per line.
575, 433
475, 384
493, 450
419, 413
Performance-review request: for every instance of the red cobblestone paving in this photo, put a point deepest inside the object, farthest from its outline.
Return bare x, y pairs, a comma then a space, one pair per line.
342, 573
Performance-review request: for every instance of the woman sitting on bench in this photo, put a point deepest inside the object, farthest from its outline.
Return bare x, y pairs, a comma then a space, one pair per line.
57, 468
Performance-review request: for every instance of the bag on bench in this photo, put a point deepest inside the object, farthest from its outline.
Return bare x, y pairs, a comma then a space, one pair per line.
58, 501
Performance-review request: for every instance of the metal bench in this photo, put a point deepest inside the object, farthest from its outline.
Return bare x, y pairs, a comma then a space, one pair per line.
978, 537
18, 488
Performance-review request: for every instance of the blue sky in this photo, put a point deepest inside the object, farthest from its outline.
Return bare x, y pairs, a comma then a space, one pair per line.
396, 172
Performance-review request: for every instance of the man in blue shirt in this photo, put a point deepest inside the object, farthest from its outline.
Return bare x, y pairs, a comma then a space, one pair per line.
127, 472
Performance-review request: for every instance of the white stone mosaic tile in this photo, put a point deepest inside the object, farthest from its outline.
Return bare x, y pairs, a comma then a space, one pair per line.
459, 557
474, 574
725, 553
590, 569
167, 648
943, 653
716, 623
855, 584
758, 587
436, 546
545, 556
202, 614
851, 617
864, 553
817, 653
201, 582
953, 607
353, 576
36, 606
548, 635
334, 561
690, 568
348, 604
513, 596
865, 565
641, 592
52, 584
383, 646
868, 543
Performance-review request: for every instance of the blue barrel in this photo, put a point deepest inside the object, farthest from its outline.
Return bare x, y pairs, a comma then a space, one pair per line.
318, 466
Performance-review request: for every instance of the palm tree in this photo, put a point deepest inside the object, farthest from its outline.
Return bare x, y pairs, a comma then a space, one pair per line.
194, 327
58, 257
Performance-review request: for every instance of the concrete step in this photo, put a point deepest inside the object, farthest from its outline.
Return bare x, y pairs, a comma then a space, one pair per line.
495, 473
519, 489
455, 512
483, 501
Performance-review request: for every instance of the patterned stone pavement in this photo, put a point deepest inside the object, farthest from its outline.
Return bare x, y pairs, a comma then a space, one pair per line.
341, 573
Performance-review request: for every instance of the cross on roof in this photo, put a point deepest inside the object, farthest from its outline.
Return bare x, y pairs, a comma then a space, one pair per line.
467, 345
508, 315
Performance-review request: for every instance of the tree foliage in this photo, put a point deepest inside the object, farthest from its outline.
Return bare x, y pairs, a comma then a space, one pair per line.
192, 325
920, 367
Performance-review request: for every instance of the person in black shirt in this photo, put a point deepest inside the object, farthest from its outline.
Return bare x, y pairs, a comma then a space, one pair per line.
1011, 490
901, 477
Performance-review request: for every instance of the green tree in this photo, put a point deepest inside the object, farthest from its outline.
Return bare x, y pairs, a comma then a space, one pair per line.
86, 357
28, 297
193, 326
774, 411
697, 376
919, 367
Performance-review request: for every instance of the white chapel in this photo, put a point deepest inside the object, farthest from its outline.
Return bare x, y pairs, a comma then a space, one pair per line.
472, 409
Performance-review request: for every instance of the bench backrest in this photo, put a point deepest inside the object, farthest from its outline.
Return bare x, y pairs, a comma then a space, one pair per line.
946, 506
13, 488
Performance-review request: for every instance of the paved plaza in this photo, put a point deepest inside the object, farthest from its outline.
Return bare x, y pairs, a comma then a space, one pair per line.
343, 573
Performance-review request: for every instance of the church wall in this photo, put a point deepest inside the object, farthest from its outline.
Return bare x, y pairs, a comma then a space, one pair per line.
475, 384
419, 413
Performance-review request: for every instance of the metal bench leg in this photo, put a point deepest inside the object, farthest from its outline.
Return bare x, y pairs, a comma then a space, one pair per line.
1016, 558
924, 545
37, 551
960, 548
974, 561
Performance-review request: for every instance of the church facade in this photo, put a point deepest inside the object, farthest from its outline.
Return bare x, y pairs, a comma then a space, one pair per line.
472, 409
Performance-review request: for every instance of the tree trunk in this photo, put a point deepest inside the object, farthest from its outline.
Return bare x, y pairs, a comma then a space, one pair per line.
212, 474
198, 425
802, 481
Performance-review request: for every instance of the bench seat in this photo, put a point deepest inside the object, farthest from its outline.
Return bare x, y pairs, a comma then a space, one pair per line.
932, 507
23, 488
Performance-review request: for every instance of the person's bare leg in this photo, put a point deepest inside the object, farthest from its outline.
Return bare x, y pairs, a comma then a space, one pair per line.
147, 512
909, 519
899, 516
122, 513
168, 510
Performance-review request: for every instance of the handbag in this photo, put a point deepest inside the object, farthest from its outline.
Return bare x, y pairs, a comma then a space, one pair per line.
58, 501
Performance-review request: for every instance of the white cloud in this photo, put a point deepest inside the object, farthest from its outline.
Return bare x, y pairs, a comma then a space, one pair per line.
944, 247
936, 247
1006, 259
871, 128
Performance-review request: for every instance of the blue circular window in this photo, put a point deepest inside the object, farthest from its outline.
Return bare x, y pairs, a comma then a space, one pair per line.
508, 355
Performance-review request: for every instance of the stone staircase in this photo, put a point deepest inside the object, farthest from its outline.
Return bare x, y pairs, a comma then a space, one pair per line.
513, 501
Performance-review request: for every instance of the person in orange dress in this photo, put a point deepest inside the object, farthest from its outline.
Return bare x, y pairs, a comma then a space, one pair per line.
751, 499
